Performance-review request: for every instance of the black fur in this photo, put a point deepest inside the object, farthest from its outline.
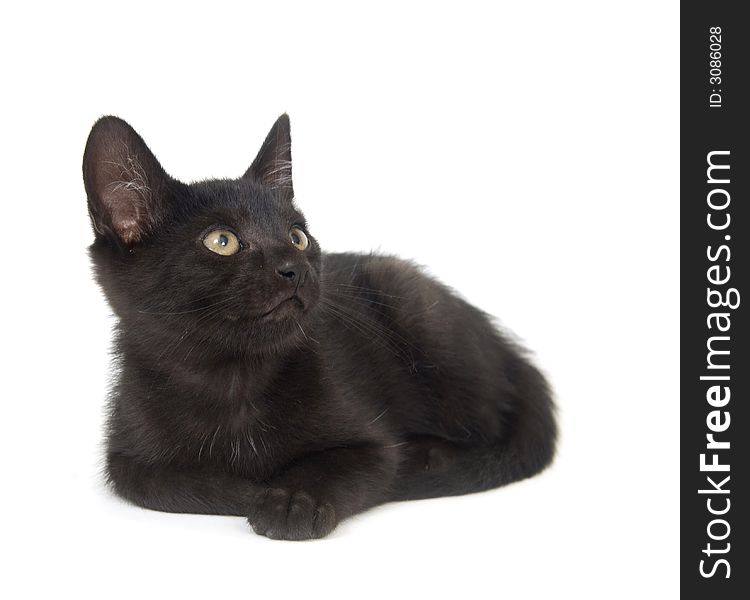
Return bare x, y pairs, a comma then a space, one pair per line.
372, 382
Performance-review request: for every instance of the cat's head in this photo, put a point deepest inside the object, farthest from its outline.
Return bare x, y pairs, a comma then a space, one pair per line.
220, 265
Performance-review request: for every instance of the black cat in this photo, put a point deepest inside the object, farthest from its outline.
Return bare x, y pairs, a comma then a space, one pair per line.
261, 377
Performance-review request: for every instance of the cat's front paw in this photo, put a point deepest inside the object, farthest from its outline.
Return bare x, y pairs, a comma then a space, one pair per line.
283, 515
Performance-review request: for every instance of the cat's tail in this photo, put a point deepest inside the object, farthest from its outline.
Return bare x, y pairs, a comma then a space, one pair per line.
435, 467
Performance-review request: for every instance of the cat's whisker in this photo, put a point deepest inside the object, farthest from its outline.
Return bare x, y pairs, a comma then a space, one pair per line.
397, 445
263, 443
302, 330
307, 337
358, 288
213, 439
251, 441
201, 299
206, 338
364, 325
376, 419
203, 443
378, 334
355, 297
387, 331
173, 347
185, 312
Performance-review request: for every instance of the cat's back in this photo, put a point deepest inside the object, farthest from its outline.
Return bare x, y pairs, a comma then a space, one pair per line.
391, 302
399, 289
377, 277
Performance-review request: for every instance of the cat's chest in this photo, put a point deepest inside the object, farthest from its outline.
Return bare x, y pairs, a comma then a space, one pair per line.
239, 419
236, 438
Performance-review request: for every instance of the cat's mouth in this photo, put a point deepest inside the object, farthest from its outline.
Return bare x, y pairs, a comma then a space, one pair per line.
290, 305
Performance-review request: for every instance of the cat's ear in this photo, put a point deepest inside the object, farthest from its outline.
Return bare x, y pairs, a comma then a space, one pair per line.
126, 186
273, 165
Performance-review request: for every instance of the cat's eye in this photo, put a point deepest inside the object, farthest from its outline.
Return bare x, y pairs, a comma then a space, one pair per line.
299, 238
222, 242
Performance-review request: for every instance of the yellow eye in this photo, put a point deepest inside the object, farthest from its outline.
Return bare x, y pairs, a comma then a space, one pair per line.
222, 242
299, 238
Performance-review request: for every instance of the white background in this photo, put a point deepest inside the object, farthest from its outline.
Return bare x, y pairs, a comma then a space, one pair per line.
527, 154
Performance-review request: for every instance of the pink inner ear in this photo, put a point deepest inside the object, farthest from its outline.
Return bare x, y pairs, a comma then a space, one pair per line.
129, 231
127, 208
127, 196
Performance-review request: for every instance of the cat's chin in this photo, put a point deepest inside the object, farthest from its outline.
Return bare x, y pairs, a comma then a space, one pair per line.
275, 330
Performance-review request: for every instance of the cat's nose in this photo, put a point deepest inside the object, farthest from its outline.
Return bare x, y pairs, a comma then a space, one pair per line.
292, 273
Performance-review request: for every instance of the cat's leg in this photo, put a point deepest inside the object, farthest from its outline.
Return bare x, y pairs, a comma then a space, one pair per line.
168, 489
433, 467
310, 497
518, 444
